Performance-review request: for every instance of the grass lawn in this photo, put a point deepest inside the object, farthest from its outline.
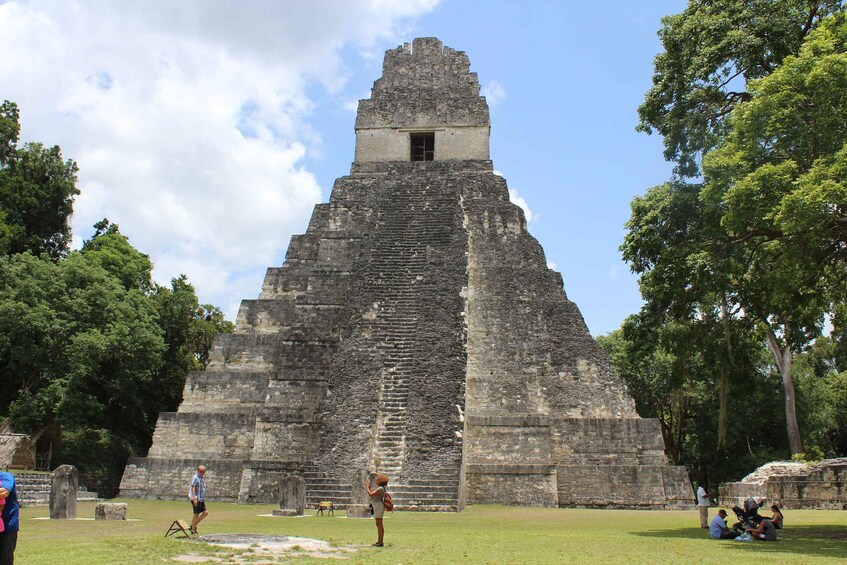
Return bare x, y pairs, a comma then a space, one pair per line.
480, 534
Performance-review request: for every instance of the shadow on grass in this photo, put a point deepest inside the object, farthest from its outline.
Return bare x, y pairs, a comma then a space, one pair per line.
824, 541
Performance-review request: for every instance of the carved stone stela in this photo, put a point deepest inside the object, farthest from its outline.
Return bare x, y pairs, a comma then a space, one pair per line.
414, 329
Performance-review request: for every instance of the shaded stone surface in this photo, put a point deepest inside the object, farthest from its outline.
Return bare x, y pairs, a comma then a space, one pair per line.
292, 494
415, 329
110, 511
63, 492
358, 493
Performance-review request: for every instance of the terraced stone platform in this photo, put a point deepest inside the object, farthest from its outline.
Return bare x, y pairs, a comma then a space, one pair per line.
415, 329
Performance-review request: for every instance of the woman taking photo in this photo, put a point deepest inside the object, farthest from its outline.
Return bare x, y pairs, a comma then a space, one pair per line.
377, 495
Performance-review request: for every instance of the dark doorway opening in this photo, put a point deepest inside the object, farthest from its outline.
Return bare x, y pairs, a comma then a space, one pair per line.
423, 146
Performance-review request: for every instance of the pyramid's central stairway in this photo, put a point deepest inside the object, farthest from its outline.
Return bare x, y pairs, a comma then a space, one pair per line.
415, 329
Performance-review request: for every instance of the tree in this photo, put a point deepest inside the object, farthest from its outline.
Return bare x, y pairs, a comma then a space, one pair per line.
761, 238
37, 190
89, 345
81, 348
778, 178
711, 51
110, 249
672, 369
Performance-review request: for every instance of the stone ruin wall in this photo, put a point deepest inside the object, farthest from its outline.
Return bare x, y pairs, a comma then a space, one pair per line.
794, 486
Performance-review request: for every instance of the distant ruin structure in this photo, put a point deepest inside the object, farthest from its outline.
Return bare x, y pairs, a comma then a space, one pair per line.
793, 485
414, 329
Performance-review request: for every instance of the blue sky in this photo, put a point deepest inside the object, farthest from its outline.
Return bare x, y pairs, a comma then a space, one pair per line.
207, 129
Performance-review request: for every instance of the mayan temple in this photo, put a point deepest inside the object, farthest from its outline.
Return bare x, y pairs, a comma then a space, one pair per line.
416, 329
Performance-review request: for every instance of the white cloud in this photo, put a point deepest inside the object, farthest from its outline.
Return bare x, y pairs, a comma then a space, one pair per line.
614, 273
518, 200
189, 120
494, 93
551, 265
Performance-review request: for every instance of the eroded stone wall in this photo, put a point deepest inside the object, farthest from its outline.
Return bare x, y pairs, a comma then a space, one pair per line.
822, 486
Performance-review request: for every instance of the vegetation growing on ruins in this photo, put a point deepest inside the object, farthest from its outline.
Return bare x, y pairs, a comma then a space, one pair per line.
744, 250
91, 349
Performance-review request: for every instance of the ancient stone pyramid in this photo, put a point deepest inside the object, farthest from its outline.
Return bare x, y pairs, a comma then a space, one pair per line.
416, 329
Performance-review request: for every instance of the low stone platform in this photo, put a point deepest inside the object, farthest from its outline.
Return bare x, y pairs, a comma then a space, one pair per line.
285, 512
256, 546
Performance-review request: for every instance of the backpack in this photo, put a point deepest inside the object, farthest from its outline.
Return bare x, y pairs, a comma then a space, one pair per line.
388, 502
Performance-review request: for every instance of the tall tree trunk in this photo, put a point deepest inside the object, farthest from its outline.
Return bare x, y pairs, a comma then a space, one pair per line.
783, 359
723, 386
722, 394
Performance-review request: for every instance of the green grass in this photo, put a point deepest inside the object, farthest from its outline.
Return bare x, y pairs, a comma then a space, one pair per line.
480, 534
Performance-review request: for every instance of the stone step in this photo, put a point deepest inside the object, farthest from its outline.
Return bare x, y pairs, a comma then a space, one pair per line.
339, 489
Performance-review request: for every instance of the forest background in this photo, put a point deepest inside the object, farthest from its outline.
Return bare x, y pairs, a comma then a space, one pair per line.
740, 349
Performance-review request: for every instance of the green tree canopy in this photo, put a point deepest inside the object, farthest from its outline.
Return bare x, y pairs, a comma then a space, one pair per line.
711, 50
37, 190
762, 238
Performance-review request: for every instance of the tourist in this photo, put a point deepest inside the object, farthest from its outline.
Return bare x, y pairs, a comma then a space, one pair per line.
377, 496
765, 531
9, 535
703, 506
718, 529
777, 517
197, 494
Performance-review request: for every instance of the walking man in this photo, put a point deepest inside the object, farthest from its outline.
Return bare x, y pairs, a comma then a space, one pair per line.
197, 494
9, 536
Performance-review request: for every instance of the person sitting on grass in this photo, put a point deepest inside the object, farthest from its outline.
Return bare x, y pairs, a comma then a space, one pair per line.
718, 529
777, 517
765, 531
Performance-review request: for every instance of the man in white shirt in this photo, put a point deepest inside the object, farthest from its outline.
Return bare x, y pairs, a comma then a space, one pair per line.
703, 506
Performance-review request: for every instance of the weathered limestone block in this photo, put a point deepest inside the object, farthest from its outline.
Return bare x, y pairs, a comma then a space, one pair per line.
63, 493
292, 494
358, 511
110, 511
358, 494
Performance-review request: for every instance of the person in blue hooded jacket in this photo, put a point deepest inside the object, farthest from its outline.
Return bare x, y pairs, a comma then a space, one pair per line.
9, 536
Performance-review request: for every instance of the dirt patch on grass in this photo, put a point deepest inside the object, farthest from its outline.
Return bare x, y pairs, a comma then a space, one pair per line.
256, 548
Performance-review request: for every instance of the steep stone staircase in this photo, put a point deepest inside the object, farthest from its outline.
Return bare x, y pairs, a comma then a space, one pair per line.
436, 493
321, 487
418, 220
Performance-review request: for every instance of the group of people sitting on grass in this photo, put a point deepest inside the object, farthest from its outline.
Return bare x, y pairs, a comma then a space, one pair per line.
750, 525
